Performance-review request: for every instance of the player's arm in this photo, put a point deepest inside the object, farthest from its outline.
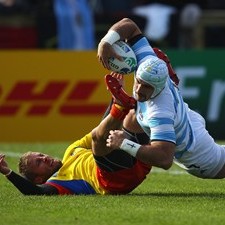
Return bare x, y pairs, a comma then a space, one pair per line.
156, 153
28, 188
22, 184
124, 29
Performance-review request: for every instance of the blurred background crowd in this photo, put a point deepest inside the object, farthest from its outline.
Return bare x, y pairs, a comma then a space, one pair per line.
80, 24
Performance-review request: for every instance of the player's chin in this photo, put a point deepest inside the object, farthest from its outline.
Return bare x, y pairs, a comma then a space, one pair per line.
57, 165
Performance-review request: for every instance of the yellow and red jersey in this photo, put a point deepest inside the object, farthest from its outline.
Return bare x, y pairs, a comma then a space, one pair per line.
81, 175
78, 175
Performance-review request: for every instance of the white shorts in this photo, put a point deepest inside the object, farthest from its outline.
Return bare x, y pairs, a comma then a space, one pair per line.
207, 158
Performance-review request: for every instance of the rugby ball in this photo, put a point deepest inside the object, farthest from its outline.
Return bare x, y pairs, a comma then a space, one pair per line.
129, 62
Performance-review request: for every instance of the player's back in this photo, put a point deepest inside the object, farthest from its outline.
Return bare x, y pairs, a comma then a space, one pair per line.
185, 139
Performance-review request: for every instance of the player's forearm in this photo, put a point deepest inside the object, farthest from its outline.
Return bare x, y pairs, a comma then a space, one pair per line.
102, 131
26, 187
155, 157
159, 154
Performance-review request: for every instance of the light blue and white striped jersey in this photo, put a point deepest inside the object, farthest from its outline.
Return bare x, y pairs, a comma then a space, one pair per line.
142, 50
164, 117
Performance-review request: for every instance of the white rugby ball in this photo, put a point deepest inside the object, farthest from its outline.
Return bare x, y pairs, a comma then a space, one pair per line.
129, 63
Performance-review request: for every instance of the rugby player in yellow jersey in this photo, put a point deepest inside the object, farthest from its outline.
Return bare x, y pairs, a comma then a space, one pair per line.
88, 166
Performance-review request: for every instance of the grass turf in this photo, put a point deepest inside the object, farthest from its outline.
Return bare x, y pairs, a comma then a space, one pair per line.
166, 197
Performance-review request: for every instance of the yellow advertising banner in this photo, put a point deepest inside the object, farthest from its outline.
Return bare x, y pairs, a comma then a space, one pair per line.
50, 95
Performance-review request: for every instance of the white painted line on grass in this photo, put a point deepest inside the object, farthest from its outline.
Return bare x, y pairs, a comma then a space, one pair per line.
172, 171
12, 154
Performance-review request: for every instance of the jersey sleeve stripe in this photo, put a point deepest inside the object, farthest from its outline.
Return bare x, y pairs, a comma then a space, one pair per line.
154, 122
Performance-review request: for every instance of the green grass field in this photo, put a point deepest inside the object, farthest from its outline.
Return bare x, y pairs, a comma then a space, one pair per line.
165, 198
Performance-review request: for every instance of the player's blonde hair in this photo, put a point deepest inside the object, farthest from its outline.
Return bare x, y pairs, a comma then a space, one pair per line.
24, 169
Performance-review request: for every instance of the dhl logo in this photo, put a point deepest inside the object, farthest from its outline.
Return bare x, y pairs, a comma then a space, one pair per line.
69, 101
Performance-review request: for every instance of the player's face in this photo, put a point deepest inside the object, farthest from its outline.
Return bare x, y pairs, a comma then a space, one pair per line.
142, 90
43, 165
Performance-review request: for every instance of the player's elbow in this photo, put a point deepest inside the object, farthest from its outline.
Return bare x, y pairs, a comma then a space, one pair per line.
166, 161
165, 154
166, 164
126, 20
162, 163
132, 28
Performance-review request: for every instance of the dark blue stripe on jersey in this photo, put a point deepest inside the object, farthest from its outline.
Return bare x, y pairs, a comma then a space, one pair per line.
176, 100
78, 187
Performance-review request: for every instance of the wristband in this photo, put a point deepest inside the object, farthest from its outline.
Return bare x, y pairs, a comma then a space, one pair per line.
118, 112
111, 37
6, 175
130, 147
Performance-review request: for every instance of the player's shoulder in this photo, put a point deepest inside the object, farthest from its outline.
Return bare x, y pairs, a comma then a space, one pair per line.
165, 97
163, 104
